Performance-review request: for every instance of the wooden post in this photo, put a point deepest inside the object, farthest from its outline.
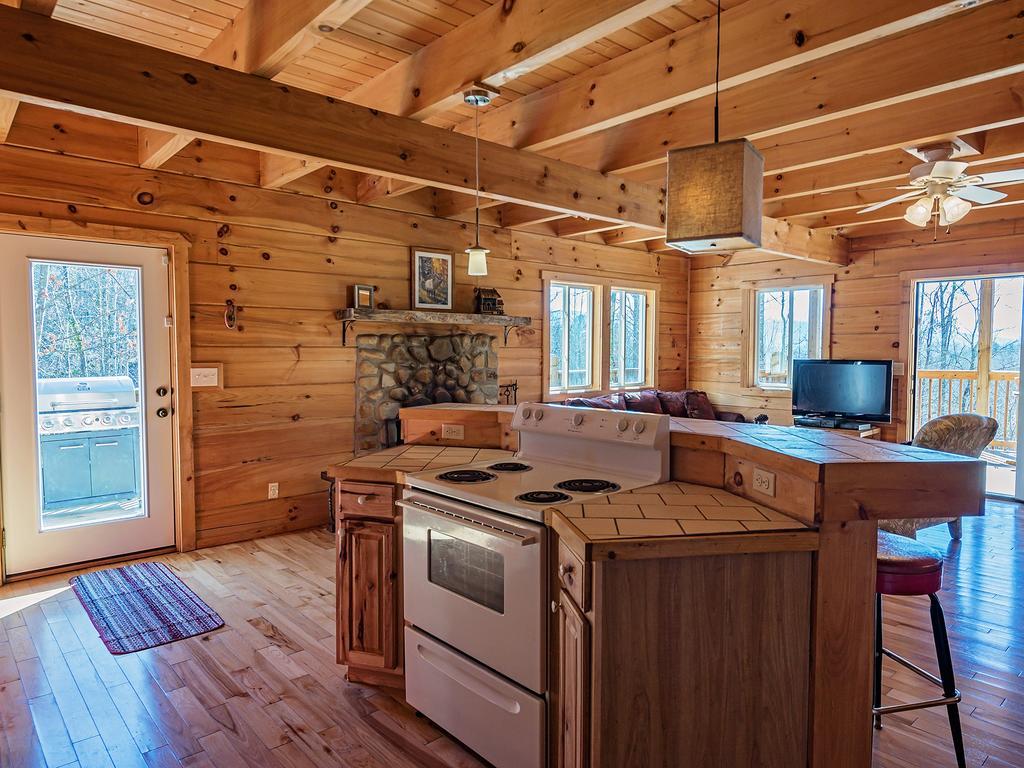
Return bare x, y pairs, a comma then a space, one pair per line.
985, 344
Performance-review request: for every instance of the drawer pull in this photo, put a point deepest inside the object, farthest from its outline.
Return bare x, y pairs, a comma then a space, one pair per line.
71, 447
107, 445
566, 570
365, 497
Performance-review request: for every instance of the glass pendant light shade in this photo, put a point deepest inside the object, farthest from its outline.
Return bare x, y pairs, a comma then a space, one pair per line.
920, 212
477, 260
954, 208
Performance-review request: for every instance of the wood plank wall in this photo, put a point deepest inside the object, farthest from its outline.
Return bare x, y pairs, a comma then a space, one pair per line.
286, 261
868, 309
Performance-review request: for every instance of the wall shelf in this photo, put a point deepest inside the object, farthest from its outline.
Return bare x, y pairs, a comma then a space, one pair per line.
415, 317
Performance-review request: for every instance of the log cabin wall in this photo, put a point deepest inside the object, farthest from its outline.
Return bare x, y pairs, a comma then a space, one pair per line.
870, 306
286, 260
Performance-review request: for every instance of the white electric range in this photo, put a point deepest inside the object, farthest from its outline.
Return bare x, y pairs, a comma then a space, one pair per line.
474, 564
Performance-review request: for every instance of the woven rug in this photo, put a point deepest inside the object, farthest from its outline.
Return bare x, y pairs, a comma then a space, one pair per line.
141, 606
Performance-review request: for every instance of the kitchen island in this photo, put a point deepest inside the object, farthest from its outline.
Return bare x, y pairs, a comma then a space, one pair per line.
742, 635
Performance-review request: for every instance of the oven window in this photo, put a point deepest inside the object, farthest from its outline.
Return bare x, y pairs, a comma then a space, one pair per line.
475, 572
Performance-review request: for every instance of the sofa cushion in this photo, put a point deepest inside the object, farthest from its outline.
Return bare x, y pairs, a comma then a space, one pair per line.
612, 402
673, 403
645, 401
698, 406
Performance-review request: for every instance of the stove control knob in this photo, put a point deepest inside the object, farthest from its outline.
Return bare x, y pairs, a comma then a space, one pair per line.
67, 421
48, 424
107, 419
639, 427
87, 420
538, 414
623, 425
577, 419
527, 413
124, 418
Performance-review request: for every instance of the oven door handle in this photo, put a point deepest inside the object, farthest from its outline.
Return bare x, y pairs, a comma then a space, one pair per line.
525, 539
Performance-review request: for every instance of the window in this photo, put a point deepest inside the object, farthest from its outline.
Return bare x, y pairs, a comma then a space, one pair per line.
788, 325
600, 335
571, 324
628, 343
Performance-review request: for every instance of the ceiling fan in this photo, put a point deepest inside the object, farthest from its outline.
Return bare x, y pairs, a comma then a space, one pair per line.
945, 188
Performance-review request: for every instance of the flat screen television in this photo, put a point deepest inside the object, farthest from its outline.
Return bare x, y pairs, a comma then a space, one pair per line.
850, 389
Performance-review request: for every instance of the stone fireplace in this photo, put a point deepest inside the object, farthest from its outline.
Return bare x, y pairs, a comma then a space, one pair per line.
396, 370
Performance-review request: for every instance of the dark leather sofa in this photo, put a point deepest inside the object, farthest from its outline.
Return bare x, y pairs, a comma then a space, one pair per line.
687, 404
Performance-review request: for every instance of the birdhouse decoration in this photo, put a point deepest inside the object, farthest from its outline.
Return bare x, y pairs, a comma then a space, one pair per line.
488, 302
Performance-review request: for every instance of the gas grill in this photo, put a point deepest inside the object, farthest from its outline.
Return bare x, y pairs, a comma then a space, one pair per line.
89, 442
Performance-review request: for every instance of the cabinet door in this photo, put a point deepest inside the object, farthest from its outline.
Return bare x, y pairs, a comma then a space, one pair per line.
368, 594
115, 461
65, 470
573, 685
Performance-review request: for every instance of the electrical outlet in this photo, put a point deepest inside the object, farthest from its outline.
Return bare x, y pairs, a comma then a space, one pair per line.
764, 481
453, 431
273, 490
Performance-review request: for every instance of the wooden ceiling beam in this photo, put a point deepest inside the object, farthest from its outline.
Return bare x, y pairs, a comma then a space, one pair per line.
42, 61
268, 35
892, 70
759, 39
515, 216
501, 43
8, 109
264, 37
42, 7
576, 227
277, 170
627, 236
497, 45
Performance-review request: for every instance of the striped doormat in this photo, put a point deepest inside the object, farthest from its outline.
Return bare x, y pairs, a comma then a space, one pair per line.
141, 606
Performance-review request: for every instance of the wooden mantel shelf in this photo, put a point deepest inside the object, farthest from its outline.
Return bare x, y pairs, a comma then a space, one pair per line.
414, 317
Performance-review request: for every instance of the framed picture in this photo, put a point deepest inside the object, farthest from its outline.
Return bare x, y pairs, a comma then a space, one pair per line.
362, 296
431, 280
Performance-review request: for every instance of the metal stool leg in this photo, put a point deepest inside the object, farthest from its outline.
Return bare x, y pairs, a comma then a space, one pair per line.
948, 680
876, 693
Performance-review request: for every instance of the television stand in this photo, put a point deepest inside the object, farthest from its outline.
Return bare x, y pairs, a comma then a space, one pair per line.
872, 433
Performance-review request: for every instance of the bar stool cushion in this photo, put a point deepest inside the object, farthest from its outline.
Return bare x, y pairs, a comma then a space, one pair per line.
907, 567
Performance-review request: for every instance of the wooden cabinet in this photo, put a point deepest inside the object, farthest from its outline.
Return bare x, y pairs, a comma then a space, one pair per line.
573, 696
369, 584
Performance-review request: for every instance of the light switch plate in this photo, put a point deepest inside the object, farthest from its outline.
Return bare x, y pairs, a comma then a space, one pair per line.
897, 368
206, 376
453, 432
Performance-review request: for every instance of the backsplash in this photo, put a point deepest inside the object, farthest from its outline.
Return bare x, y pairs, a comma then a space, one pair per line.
402, 370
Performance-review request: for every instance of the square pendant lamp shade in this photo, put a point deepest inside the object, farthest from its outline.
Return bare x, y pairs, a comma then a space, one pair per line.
715, 197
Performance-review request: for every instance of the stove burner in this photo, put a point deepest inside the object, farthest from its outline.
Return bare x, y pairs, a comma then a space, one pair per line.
543, 497
510, 466
461, 476
587, 485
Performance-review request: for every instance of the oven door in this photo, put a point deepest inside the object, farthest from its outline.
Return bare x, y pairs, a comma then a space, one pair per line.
475, 579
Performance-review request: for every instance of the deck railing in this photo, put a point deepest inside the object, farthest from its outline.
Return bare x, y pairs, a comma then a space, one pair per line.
943, 392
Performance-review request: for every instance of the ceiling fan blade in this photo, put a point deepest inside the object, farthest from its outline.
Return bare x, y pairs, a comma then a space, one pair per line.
948, 169
978, 195
891, 200
1002, 177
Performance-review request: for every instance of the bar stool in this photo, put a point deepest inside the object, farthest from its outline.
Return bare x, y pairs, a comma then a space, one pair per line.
907, 567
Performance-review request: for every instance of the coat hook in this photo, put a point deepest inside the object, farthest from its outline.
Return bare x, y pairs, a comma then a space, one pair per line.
230, 315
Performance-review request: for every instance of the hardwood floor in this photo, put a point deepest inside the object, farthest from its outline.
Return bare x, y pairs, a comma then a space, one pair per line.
265, 691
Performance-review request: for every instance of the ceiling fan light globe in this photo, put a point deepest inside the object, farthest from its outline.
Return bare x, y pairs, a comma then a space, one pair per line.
954, 208
919, 213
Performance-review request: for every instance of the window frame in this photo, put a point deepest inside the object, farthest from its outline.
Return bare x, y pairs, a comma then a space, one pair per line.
751, 290
601, 342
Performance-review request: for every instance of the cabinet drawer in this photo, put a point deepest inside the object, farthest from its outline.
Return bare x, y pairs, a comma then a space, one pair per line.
574, 576
366, 500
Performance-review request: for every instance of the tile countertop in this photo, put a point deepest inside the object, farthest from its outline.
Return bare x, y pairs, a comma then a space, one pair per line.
672, 509
391, 464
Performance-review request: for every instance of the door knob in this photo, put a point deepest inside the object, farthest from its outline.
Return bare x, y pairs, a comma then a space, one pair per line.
162, 413
161, 391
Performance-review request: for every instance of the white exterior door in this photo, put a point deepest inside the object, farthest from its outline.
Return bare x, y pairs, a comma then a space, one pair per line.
85, 426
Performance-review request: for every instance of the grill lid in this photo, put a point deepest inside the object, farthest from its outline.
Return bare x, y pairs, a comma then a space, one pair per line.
90, 393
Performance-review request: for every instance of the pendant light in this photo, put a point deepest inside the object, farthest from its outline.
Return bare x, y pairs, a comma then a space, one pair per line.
715, 191
476, 98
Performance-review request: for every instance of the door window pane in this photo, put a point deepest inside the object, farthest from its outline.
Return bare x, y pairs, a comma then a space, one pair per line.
475, 572
789, 327
571, 337
88, 369
629, 332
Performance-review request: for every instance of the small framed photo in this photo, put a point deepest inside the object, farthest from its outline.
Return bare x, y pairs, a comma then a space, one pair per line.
431, 279
362, 296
